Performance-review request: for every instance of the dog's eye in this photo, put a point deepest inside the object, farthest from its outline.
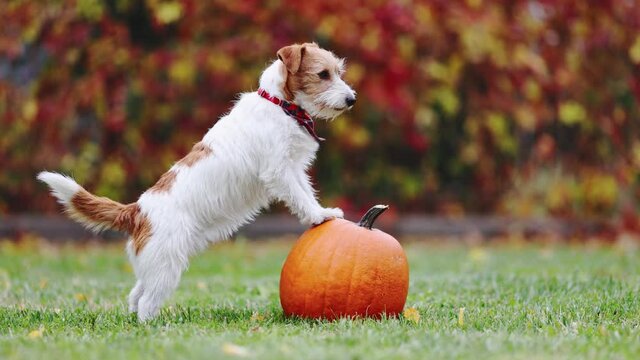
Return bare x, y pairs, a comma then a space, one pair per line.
324, 74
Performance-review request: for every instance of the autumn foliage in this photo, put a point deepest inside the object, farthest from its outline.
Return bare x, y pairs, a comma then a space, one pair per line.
520, 107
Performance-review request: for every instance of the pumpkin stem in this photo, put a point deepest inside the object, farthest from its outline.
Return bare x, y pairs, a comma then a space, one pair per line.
371, 216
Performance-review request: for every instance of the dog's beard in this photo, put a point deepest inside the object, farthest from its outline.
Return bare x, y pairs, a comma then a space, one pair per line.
327, 113
327, 106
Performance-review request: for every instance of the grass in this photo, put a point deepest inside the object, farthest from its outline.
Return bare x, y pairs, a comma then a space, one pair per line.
520, 301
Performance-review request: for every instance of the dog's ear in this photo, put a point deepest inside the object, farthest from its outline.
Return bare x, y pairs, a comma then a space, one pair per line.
291, 56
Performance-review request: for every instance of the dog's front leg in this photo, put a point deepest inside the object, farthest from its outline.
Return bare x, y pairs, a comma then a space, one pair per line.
294, 188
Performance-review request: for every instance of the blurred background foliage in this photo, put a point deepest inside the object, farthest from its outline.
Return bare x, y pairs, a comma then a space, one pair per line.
506, 106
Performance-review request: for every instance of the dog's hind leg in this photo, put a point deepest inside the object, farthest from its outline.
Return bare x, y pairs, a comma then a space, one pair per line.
135, 295
159, 282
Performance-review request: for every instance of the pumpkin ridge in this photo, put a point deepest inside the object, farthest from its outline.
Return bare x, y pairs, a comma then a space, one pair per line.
326, 283
307, 254
314, 243
372, 296
353, 270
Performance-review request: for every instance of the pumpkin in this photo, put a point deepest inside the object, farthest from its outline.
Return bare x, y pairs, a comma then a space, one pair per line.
343, 269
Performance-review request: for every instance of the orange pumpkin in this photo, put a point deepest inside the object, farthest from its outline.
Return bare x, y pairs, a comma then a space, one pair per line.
340, 269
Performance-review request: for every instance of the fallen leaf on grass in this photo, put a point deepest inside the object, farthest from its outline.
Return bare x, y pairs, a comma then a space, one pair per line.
603, 330
235, 350
80, 297
478, 255
36, 334
461, 317
5, 281
412, 315
257, 317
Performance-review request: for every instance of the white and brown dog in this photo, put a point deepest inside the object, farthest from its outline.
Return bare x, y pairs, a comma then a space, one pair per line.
256, 154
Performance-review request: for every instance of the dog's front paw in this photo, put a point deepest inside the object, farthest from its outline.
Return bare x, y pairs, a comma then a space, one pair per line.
321, 216
332, 213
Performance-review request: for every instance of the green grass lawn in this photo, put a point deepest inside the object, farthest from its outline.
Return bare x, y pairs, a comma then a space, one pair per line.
520, 301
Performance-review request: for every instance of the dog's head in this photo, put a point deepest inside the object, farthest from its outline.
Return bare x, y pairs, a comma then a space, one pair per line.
313, 80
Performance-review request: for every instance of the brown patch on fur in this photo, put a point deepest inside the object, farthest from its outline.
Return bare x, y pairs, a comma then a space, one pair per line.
165, 183
96, 209
140, 228
198, 152
101, 212
302, 65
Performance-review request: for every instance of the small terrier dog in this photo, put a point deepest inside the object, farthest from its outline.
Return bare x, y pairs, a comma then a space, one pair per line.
256, 154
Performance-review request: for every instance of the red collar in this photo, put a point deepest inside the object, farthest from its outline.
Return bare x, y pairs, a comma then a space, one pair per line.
299, 114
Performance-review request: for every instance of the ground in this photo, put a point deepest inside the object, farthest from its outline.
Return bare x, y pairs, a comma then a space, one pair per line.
519, 301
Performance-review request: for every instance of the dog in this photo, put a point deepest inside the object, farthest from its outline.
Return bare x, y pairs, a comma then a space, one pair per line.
256, 154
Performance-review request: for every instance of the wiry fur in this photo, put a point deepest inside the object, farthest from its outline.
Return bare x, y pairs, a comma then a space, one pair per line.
254, 155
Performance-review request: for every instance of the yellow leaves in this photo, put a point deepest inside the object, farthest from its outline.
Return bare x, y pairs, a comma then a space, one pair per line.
634, 51
524, 56
168, 12
532, 90
356, 135
558, 196
182, 71
447, 99
359, 137
90, 9
573, 59
411, 186
80, 297
470, 153
571, 113
406, 48
461, 317
446, 72
355, 73
235, 350
371, 40
635, 154
327, 26
497, 124
525, 118
30, 109
474, 3
425, 117
31, 32
481, 40
423, 14
112, 180
220, 62
36, 334
600, 191
411, 314
81, 166
499, 128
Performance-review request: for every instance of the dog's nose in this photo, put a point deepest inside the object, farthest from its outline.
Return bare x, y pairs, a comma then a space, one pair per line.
350, 101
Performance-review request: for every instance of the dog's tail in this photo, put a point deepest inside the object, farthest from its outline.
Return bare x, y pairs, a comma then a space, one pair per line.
95, 213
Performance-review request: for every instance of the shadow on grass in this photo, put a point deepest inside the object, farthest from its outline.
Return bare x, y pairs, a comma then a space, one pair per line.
92, 320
